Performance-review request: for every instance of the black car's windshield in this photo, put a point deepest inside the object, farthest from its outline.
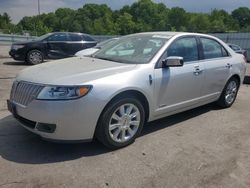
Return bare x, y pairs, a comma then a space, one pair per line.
134, 49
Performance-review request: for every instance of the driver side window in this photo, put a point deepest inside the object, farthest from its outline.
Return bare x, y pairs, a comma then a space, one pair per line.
58, 37
184, 47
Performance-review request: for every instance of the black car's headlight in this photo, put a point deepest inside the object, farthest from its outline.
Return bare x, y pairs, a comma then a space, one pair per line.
16, 47
63, 92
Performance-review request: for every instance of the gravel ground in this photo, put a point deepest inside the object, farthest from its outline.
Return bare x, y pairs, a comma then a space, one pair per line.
203, 147
4, 50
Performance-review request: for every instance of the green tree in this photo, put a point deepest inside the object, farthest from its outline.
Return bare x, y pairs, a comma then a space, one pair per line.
5, 23
6, 18
35, 25
242, 15
227, 21
95, 19
51, 21
141, 16
198, 22
126, 24
65, 18
178, 18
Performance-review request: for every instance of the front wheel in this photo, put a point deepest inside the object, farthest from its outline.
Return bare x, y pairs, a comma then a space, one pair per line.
229, 93
120, 123
35, 57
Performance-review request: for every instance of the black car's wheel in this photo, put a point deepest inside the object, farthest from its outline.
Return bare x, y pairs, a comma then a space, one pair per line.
229, 93
34, 57
121, 122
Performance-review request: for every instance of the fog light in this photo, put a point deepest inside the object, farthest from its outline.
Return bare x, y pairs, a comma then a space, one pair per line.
45, 127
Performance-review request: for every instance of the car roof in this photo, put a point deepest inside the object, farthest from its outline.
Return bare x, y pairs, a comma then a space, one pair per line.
162, 33
158, 33
170, 34
58, 32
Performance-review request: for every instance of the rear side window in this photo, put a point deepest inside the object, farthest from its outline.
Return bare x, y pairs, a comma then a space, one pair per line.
88, 38
184, 47
213, 49
75, 37
59, 37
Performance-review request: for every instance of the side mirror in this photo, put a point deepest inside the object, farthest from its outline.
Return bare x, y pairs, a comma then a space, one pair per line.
173, 61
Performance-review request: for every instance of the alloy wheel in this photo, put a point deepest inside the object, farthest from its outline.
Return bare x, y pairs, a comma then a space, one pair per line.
124, 123
35, 57
231, 92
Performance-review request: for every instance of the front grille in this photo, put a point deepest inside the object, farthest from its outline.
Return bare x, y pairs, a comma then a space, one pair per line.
24, 92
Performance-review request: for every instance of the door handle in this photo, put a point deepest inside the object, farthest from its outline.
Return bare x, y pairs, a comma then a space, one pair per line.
197, 70
229, 65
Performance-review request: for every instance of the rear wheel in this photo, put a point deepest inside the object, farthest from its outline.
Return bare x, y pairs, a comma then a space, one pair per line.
229, 93
120, 123
35, 57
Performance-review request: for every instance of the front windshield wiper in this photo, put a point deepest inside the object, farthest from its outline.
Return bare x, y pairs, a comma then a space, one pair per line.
103, 58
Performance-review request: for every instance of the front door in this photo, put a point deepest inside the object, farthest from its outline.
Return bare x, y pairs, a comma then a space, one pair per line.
179, 87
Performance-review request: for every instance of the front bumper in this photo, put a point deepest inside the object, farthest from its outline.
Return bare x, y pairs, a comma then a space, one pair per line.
17, 54
74, 120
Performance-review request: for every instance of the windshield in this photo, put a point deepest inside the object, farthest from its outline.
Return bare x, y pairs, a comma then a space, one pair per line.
136, 49
42, 37
106, 42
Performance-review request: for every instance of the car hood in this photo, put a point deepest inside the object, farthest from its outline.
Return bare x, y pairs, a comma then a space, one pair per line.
72, 71
86, 52
25, 42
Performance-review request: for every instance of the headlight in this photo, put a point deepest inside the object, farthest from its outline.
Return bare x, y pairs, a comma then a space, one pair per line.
63, 92
16, 47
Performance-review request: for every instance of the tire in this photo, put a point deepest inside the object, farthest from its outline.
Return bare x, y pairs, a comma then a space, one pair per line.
34, 57
118, 128
229, 93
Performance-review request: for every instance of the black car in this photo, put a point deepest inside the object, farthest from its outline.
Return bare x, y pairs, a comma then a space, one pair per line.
51, 46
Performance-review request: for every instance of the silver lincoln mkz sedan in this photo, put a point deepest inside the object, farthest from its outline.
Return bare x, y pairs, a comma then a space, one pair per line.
139, 78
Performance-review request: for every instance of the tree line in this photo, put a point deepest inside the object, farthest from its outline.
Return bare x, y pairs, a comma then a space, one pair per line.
141, 16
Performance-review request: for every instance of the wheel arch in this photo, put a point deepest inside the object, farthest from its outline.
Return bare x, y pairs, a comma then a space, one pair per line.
236, 76
35, 48
132, 92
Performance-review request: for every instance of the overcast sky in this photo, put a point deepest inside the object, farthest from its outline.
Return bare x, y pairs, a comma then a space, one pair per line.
20, 8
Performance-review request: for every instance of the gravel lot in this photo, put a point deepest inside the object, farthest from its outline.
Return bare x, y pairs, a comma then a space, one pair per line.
4, 50
204, 147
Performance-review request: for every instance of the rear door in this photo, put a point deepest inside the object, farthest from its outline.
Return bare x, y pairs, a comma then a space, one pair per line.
57, 45
88, 41
75, 43
217, 67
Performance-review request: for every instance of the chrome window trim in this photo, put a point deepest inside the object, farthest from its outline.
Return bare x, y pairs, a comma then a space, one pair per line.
83, 42
210, 38
157, 64
219, 58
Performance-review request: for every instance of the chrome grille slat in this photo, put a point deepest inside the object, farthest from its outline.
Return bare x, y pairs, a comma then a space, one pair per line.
24, 92
21, 87
13, 90
25, 95
32, 90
